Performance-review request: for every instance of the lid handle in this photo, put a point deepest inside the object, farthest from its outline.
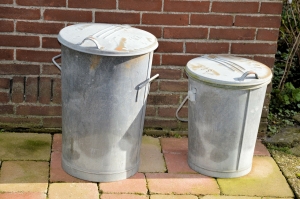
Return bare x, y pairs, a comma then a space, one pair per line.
91, 38
242, 78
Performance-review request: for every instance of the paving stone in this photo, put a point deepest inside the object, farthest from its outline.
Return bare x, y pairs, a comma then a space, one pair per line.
25, 146
261, 149
57, 142
135, 184
123, 196
169, 183
24, 176
177, 163
22, 196
229, 197
173, 197
174, 145
151, 158
73, 190
287, 137
265, 179
57, 174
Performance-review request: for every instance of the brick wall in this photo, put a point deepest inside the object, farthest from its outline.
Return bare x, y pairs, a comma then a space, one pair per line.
30, 84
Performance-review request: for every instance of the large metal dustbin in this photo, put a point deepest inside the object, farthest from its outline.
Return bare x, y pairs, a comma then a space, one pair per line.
226, 96
105, 72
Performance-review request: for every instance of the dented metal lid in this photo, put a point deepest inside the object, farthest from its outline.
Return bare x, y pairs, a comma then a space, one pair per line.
107, 39
228, 70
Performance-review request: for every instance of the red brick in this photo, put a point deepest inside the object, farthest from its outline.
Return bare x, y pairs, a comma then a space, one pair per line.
174, 145
4, 98
6, 54
185, 33
52, 122
19, 41
163, 99
152, 123
174, 86
156, 31
57, 142
166, 73
6, 109
207, 48
56, 95
68, 15
50, 42
17, 95
19, 13
269, 61
178, 60
154, 86
6, 1
45, 90
117, 17
19, 122
150, 111
211, 20
50, 70
103, 4
271, 8
170, 47
178, 163
42, 28
39, 110
31, 89
258, 21
232, 34
6, 26
23, 195
141, 5
4, 83
170, 112
165, 19
156, 59
19, 69
267, 35
253, 48
49, 3
35, 55
186, 6
235, 7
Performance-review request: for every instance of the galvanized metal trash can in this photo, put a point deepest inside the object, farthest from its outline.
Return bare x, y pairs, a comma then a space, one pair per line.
226, 96
105, 76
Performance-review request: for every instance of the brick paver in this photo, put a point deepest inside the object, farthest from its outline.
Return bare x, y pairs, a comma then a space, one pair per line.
260, 149
151, 158
22, 196
173, 197
24, 176
73, 191
123, 196
134, 184
177, 163
168, 183
57, 142
25, 146
229, 197
174, 145
265, 179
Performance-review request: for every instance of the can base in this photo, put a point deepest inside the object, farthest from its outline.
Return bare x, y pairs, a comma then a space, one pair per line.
99, 177
218, 174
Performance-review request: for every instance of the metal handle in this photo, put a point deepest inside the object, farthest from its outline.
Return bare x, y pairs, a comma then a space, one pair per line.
55, 63
144, 83
183, 102
91, 38
242, 78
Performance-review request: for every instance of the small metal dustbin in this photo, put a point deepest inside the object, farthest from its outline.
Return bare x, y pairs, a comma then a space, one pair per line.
105, 82
226, 96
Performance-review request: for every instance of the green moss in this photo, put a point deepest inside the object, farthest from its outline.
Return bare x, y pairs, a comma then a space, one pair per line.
33, 145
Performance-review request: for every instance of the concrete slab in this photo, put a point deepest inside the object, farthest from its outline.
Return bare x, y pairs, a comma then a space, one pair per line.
151, 158
123, 196
168, 183
265, 179
173, 197
57, 174
73, 190
177, 163
133, 185
22, 196
174, 145
24, 176
57, 142
25, 146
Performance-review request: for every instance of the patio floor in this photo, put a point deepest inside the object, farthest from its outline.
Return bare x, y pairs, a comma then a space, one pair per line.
31, 169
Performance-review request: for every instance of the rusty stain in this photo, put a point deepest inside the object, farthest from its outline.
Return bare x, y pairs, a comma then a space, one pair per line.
212, 56
94, 62
121, 45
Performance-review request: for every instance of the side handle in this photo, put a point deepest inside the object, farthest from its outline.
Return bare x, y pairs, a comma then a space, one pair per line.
55, 63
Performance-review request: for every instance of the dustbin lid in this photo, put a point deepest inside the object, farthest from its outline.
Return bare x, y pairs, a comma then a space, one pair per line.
228, 70
107, 39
